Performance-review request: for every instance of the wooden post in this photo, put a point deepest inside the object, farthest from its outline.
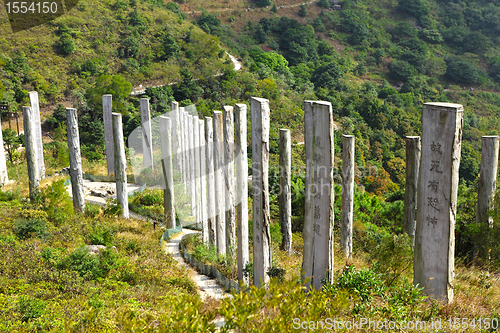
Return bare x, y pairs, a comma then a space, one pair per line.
196, 165
240, 121
184, 146
347, 194
31, 146
434, 256
487, 179
192, 166
75, 160
413, 151
120, 164
4, 177
147, 143
209, 153
229, 178
203, 172
220, 218
261, 214
285, 195
167, 166
176, 131
35, 107
318, 219
107, 110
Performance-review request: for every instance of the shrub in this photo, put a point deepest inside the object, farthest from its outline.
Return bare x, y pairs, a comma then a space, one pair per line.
364, 283
274, 308
393, 257
92, 210
66, 46
28, 228
10, 195
276, 272
89, 266
150, 198
100, 236
263, 3
56, 200
401, 70
495, 71
302, 10
461, 72
112, 208
30, 308
323, 4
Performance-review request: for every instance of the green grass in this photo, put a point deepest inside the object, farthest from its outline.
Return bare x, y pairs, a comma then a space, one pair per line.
49, 281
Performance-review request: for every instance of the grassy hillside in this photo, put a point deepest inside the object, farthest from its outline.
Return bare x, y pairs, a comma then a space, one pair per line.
146, 42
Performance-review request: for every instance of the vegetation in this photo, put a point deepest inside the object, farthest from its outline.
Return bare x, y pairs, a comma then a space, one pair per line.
375, 62
50, 281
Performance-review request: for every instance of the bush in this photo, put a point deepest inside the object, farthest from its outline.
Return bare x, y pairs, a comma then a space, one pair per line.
393, 257
302, 10
30, 308
92, 210
263, 3
112, 208
10, 195
100, 236
56, 200
66, 46
87, 265
401, 70
28, 228
277, 272
495, 71
462, 72
364, 283
323, 4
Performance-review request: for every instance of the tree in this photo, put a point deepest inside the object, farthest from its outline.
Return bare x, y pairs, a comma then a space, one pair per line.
469, 162
115, 85
11, 140
58, 116
136, 19
130, 47
413, 7
263, 3
170, 47
495, 71
416, 53
260, 35
272, 60
66, 45
302, 10
187, 88
401, 70
461, 71
274, 9
323, 4
327, 75
360, 33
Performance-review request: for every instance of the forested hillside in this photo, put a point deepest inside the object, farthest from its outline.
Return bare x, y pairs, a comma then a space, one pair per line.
376, 62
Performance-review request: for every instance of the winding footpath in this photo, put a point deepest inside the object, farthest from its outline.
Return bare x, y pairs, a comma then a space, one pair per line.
206, 287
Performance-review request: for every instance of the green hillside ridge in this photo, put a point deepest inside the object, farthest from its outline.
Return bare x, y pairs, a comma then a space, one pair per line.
142, 42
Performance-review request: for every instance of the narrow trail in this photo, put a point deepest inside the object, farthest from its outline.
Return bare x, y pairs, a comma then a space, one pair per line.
142, 89
207, 287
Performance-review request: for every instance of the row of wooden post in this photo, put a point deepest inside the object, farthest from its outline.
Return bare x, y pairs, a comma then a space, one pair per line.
204, 151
